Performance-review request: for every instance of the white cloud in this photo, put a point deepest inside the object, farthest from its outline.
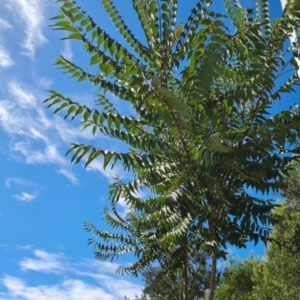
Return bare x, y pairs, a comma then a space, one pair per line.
35, 137
23, 95
44, 262
69, 134
105, 274
25, 197
31, 13
5, 24
9, 181
5, 59
24, 247
46, 155
125, 208
108, 173
82, 280
97, 166
67, 290
44, 82
97, 267
17, 182
67, 52
69, 175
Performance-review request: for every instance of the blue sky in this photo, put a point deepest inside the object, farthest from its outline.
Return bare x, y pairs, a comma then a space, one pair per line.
43, 199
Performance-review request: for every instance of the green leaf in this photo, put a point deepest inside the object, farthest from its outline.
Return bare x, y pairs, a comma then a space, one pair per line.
95, 59
73, 36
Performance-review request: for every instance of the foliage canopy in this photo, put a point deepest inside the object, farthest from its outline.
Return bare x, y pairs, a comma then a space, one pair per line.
201, 137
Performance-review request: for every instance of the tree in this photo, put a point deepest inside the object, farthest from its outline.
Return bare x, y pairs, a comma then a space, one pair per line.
284, 256
246, 280
162, 284
278, 275
201, 136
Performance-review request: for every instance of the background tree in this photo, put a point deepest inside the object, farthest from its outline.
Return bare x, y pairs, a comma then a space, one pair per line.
278, 275
245, 280
200, 137
284, 257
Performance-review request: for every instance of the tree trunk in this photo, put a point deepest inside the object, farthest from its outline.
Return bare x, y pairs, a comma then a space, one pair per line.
185, 271
212, 283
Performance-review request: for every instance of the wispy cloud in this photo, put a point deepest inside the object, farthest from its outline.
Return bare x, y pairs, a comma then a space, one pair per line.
125, 208
24, 96
68, 289
31, 13
44, 82
97, 166
4, 24
5, 59
9, 181
21, 184
67, 51
25, 197
85, 279
69, 175
35, 137
43, 262
42, 155
24, 247
108, 172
